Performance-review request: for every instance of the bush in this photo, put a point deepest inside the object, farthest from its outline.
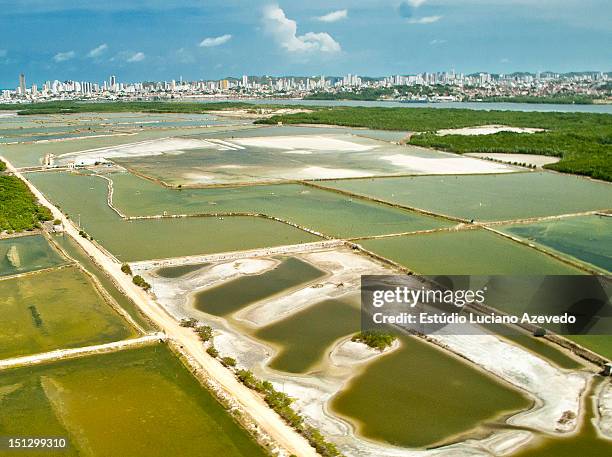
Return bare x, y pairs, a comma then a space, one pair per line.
205, 332
126, 269
376, 340
228, 361
281, 403
212, 351
140, 282
190, 323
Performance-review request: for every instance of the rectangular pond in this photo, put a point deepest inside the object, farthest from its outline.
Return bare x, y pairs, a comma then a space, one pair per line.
488, 197
55, 309
27, 253
84, 199
585, 238
138, 403
326, 212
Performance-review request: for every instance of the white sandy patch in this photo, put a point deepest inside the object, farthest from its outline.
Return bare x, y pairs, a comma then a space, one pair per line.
557, 392
308, 142
531, 159
451, 165
224, 143
9, 114
314, 172
140, 149
298, 151
345, 269
199, 177
487, 130
604, 409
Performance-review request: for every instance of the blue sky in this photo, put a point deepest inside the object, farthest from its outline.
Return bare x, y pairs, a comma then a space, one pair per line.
166, 39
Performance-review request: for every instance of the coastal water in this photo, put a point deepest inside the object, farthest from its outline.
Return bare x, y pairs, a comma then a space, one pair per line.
569, 108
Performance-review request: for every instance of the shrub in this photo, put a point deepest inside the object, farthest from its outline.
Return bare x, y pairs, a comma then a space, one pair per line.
228, 361
190, 323
126, 269
376, 340
140, 282
205, 332
212, 351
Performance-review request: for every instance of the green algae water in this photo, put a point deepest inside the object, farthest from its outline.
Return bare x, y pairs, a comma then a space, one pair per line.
77, 253
326, 212
137, 403
55, 309
488, 197
181, 270
586, 442
418, 395
84, 199
233, 295
473, 252
27, 253
586, 238
476, 252
304, 337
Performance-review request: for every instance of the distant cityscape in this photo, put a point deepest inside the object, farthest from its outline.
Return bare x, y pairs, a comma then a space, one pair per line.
423, 87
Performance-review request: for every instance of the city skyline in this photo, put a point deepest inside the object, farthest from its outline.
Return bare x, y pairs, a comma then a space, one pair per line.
153, 40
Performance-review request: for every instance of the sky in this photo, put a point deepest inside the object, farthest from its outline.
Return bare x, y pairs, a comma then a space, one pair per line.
139, 40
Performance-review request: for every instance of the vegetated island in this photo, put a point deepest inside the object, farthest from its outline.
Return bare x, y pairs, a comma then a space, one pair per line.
19, 209
583, 141
376, 340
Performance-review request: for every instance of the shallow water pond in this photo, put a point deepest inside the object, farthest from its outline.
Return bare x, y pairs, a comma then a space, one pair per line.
134, 403
488, 197
55, 309
586, 238
27, 253
303, 338
233, 295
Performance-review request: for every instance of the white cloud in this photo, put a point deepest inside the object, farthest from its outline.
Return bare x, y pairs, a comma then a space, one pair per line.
98, 51
3, 52
505, 60
63, 56
416, 3
424, 20
284, 30
435, 42
215, 41
135, 57
334, 16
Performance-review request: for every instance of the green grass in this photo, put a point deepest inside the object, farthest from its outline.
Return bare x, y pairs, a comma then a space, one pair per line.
582, 140
19, 209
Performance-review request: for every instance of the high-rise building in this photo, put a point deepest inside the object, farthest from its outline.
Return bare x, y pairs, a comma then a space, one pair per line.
22, 84
112, 81
245, 81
